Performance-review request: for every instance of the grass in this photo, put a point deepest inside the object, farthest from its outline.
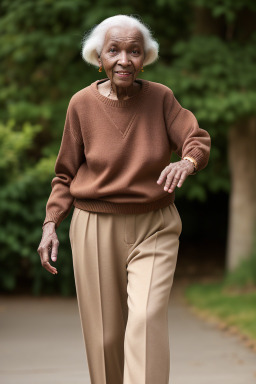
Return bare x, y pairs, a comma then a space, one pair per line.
230, 302
215, 301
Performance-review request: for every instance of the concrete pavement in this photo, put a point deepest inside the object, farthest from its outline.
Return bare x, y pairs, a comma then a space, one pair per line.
41, 342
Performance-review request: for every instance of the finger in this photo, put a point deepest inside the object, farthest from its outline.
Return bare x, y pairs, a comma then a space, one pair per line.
182, 178
169, 179
45, 261
55, 250
50, 268
163, 175
175, 181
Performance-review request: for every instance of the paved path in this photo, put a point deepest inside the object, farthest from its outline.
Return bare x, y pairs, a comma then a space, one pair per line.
41, 342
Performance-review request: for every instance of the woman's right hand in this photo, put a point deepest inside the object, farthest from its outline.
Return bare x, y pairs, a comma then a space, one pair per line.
49, 245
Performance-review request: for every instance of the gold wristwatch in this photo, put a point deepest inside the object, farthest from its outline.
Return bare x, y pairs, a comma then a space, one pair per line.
192, 160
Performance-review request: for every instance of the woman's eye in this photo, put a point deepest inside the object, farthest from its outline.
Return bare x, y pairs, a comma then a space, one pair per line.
135, 51
112, 50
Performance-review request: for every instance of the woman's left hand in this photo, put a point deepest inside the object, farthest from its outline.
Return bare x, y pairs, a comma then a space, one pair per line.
175, 174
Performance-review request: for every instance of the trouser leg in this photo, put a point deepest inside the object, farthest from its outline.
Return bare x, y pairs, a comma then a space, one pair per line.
151, 265
99, 260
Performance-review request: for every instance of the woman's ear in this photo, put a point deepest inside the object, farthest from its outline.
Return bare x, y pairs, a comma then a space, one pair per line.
99, 61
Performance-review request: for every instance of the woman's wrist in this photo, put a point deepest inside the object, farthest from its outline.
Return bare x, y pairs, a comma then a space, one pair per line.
192, 160
49, 224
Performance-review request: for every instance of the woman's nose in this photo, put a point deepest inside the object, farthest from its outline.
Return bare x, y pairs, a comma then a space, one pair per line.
123, 58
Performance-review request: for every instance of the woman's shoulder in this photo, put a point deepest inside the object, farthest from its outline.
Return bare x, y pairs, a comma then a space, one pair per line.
160, 87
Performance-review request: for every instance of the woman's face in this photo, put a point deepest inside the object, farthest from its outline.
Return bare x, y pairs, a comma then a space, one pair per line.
122, 55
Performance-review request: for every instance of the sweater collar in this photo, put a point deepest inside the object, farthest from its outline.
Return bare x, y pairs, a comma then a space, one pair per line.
120, 103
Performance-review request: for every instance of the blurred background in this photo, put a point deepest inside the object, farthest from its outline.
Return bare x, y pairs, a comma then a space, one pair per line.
208, 58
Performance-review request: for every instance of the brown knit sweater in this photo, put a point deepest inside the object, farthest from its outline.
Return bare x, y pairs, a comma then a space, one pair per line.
112, 152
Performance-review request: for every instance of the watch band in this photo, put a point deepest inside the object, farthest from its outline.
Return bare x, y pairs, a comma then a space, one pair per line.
192, 160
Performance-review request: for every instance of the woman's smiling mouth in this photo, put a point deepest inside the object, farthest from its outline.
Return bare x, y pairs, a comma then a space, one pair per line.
123, 73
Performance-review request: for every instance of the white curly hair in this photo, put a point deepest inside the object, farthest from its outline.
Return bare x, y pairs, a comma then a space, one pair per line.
92, 42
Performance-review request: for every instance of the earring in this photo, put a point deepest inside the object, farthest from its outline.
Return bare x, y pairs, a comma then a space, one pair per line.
100, 69
142, 70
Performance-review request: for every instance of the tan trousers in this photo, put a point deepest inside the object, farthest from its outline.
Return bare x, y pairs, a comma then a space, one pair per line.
124, 266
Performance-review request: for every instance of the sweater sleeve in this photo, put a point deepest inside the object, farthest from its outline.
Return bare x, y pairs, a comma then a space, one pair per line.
70, 157
186, 137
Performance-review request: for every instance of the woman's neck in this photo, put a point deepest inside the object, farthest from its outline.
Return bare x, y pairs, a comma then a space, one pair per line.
110, 90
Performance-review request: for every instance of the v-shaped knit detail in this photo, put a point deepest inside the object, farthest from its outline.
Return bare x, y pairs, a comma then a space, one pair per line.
121, 113
122, 118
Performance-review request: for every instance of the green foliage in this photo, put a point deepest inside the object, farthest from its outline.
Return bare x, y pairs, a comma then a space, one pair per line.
13, 147
227, 8
216, 79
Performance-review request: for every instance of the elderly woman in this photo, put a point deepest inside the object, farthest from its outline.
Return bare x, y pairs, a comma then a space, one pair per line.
114, 167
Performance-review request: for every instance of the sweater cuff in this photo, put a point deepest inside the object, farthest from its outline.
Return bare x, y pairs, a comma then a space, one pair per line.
54, 217
198, 156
